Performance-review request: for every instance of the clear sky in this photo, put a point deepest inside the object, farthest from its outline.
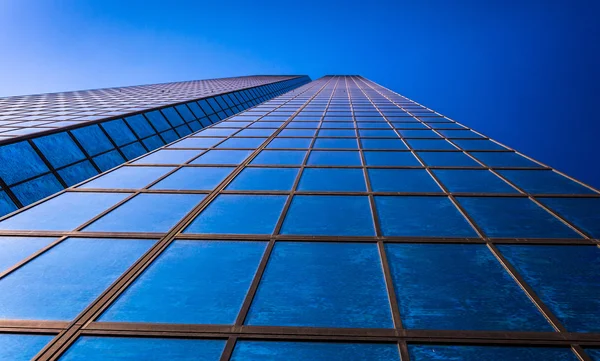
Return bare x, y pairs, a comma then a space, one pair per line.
522, 72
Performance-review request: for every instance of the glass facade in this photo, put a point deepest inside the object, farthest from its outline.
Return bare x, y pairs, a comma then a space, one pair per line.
53, 155
338, 221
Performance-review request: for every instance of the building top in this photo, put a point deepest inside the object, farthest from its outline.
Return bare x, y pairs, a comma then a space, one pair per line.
28, 114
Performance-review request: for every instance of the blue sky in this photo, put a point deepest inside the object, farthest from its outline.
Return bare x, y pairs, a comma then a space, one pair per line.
524, 73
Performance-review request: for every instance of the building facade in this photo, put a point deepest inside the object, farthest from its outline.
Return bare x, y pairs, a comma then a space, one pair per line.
52, 141
337, 221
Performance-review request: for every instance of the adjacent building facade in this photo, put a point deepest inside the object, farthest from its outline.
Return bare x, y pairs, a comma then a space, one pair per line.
337, 221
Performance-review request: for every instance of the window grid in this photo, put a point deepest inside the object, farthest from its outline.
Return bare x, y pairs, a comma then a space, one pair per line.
401, 337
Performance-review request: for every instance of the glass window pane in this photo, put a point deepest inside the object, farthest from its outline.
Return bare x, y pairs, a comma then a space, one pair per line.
6, 204
194, 178
247, 350
478, 294
396, 144
77, 172
431, 144
133, 150
393, 159
326, 157
21, 347
119, 132
279, 157
332, 180
470, 144
147, 213
203, 282
239, 214
242, 143
59, 149
166, 156
15, 249
473, 181
157, 119
544, 182
336, 143
583, 212
92, 139
479, 353
290, 143
64, 212
307, 284
227, 157
447, 159
565, 278
421, 216
594, 353
94, 348
59, 284
19, 162
128, 178
329, 216
504, 159
140, 126
264, 179
402, 180
514, 217
108, 160
37, 188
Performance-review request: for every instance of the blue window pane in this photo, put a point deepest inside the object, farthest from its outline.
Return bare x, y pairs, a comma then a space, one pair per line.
583, 212
336, 132
330, 216
514, 217
119, 132
19, 347
239, 214
172, 116
169, 136
92, 139
93, 348
290, 143
264, 179
246, 350
468, 144
229, 157
128, 178
593, 353
16, 249
378, 133
336, 143
421, 216
402, 180
18, 161
447, 159
185, 112
201, 143
474, 181
6, 204
133, 150
183, 130
167, 156
108, 160
479, 353
198, 112
418, 134
504, 159
242, 143
147, 213
158, 121
307, 284
255, 132
36, 189
64, 212
297, 133
153, 142
544, 182
140, 126
215, 132
565, 278
320, 157
59, 284
332, 179
390, 159
279, 157
59, 149
77, 172
478, 294
431, 144
196, 178
203, 282
459, 133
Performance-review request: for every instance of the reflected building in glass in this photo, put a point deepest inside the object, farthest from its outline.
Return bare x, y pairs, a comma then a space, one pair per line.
336, 221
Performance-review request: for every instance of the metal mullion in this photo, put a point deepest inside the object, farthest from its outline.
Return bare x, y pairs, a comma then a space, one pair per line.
85, 153
31, 257
112, 141
245, 309
229, 347
55, 348
47, 163
10, 194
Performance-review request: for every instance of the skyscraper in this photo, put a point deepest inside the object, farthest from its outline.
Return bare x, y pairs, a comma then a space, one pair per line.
338, 221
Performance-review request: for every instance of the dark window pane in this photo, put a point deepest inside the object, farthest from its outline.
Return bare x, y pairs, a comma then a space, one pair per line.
468, 144
514, 217
544, 182
478, 294
447, 159
264, 179
59, 149
185, 112
92, 139
473, 181
565, 278
479, 353
158, 120
108, 160
398, 159
402, 180
77, 172
6, 204
332, 180
307, 284
583, 212
133, 150
119, 132
421, 216
140, 126
37, 188
172, 116
431, 144
279, 157
18, 161
191, 282
193, 178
